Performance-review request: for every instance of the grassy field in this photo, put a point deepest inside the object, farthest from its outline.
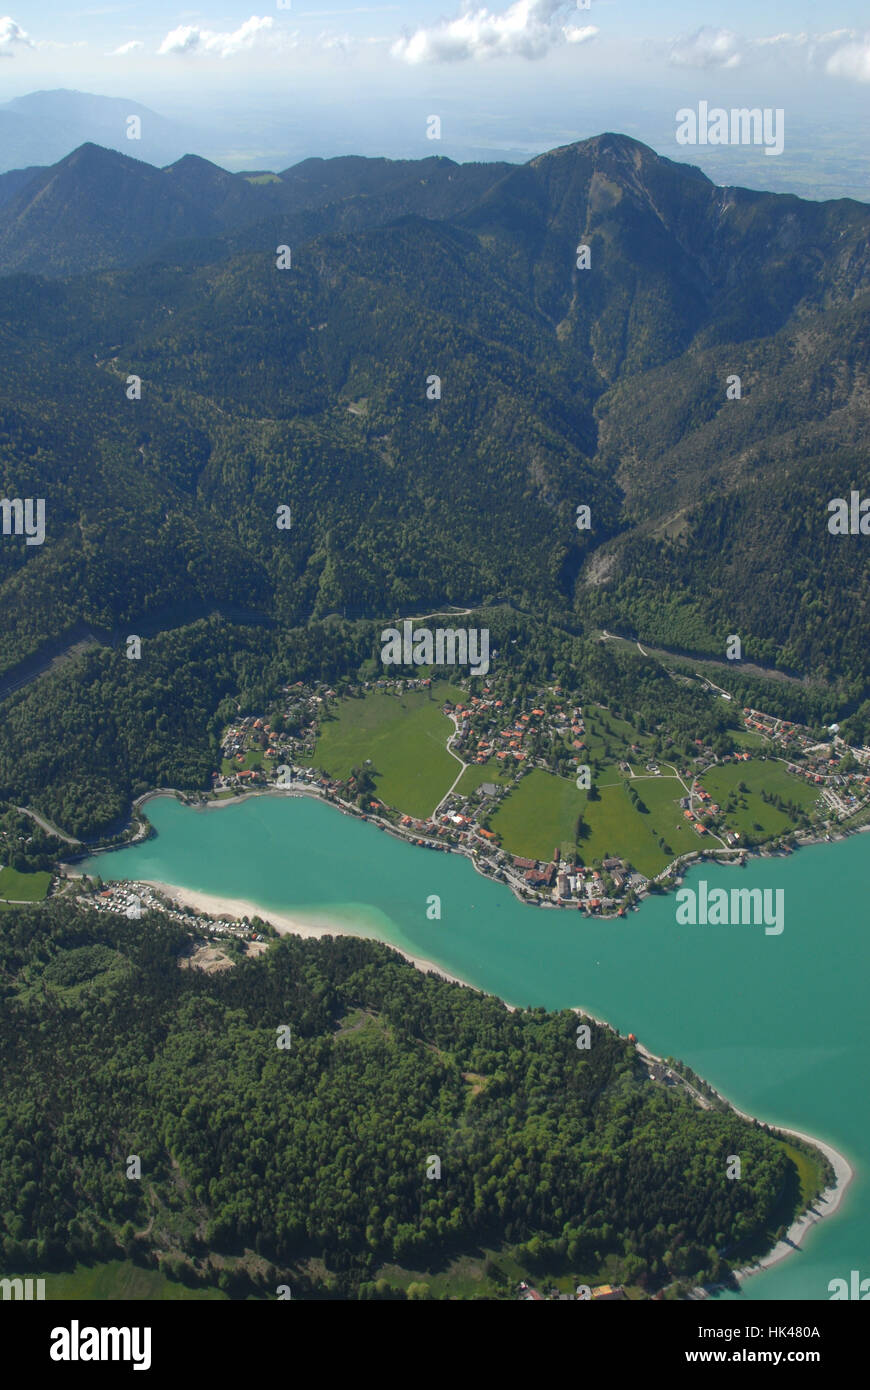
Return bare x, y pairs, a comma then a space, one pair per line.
608, 738
757, 775
617, 828
30, 888
542, 812
809, 1172
483, 1276
120, 1279
539, 814
404, 735
492, 1273
748, 738
478, 773
255, 758
661, 796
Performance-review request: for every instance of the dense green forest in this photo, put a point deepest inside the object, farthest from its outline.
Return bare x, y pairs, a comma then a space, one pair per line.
308, 1163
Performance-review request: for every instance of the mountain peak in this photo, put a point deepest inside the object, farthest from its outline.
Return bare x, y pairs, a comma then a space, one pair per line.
595, 147
195, 164
613, 146
92, 156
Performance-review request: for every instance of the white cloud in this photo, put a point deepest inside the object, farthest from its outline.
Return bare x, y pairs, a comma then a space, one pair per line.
527, 29
706, 48
839, 52
189, 38
784, 38
579, 33
126, 48
12, 34
852, 60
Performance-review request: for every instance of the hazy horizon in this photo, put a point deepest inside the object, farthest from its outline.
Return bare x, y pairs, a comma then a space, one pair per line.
265, 86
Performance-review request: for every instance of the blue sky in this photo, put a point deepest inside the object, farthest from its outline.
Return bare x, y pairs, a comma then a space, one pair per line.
263, 82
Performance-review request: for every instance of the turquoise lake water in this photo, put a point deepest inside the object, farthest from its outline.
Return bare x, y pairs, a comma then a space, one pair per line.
777, 1023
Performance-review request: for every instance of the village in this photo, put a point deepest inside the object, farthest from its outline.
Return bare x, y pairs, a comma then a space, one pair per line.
510, 737
458, 823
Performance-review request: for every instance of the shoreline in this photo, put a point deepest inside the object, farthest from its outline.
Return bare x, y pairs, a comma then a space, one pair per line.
285, 924
831, 1197
726, 858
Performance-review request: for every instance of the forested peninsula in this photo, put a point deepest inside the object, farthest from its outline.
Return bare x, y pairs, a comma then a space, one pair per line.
327, 1118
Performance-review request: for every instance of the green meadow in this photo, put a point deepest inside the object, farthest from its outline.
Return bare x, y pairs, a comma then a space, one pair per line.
18, 887
254, 759
119, 1279
661, 795
478, 773
542, 812
405, 737
539, 814
616, 827
748, 738
750, 810
607, 738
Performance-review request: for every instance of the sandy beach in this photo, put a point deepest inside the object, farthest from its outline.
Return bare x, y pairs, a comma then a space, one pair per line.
825, 1205
235, 908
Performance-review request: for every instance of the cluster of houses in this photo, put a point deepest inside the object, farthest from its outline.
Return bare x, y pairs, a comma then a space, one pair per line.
705, 814
822, 769
800, 738
590, 890
406, 683
131, 899
843, 801
250, 734
780, 731
844, 792
485, 729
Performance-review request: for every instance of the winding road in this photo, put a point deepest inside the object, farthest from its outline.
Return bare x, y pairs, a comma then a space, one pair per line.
47, 825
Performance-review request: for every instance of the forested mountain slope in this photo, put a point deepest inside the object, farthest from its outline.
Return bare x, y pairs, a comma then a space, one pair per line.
433, 387
98, 208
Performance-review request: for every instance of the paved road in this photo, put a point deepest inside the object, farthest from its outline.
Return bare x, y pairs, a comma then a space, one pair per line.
462, 765
47, 825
